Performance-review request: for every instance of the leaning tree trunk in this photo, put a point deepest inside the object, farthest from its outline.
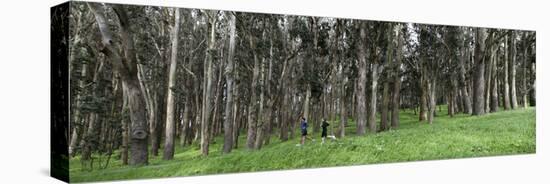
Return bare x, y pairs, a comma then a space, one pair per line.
479, 80
170, 104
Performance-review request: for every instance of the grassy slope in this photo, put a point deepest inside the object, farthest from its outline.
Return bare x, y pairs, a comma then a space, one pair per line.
501, 133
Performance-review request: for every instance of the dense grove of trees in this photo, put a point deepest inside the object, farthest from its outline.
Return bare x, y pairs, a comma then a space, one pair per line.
145, 76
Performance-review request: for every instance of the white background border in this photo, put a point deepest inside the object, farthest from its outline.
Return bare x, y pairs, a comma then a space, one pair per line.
25, 86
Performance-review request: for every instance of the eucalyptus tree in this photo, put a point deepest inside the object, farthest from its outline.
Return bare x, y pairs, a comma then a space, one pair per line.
126, 65
170, 106
230, 77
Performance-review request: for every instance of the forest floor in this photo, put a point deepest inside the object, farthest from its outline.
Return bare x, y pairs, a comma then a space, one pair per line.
500, 133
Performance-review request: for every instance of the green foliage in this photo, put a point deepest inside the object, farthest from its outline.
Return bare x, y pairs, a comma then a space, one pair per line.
501, 133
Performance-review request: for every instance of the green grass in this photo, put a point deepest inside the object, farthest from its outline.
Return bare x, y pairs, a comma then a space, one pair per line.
500, 133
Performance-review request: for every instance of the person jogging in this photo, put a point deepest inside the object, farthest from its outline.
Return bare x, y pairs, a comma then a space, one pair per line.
324, 126
303, 126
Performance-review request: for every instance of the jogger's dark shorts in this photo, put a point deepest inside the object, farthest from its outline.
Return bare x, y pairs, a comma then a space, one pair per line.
304, 132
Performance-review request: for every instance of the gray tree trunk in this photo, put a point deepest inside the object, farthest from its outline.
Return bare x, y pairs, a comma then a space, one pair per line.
253, 108
479, 74
397, 78
185, 122
170, 102
524, 76
375, 70
125, 130
205, 120
361, 88
512, 67
506, 97
343, 103
77, 116
228, 122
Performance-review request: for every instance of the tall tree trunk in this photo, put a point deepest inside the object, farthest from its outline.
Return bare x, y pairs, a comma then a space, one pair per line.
376, 69
533, 91
494, 84
306, 103
464, 60
361, 88
479, 80
125, 130
228, 122
489, 77
343, 103
397, 78
261, 128
450, 104
524, 76
205, 120
431, 86
284, 116
507, 104
237, 114
155, 121
185, 122
127, 66
253, 107
423, 111
90, 137
512, 68
384, 125
494, 92
77, 116
170, 102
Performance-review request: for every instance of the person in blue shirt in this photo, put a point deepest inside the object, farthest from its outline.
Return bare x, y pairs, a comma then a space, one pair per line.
303, 126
